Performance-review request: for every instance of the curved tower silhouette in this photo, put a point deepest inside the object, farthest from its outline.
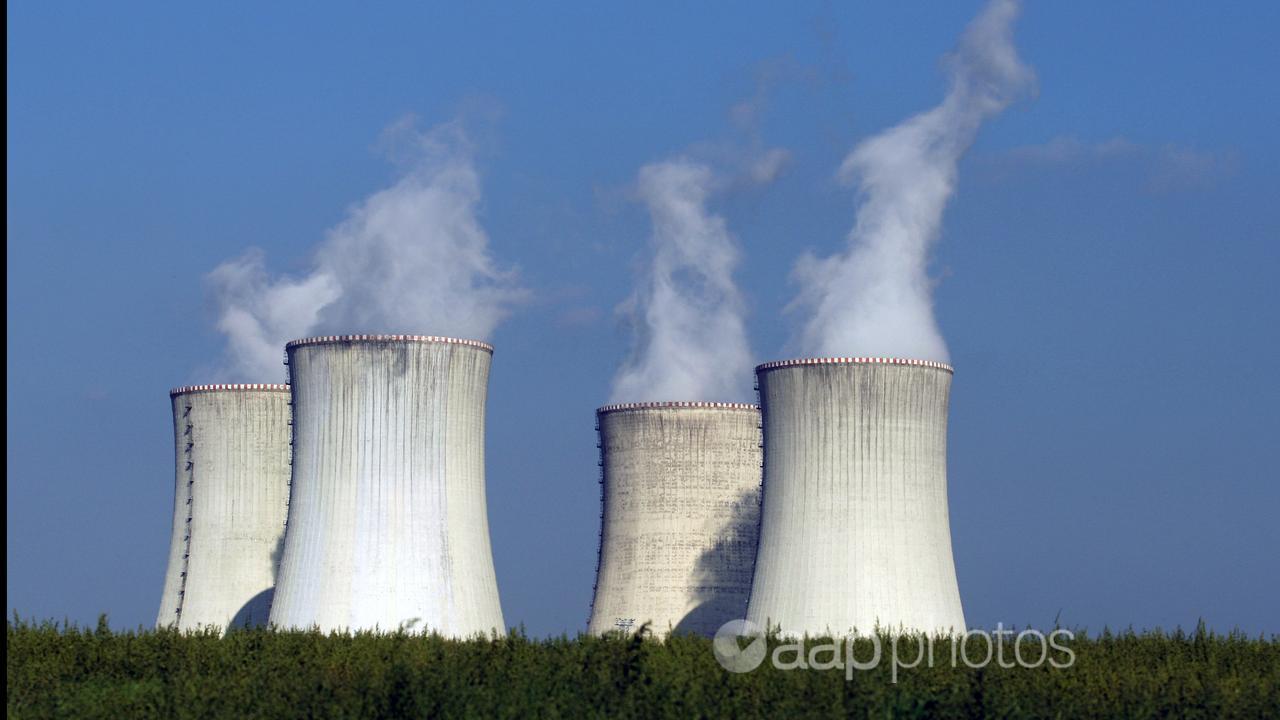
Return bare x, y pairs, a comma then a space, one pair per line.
680, 484
231, 490
388, 526
854, 528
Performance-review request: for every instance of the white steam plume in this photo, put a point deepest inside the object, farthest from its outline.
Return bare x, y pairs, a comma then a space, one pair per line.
412, 258
691, 343
875, 298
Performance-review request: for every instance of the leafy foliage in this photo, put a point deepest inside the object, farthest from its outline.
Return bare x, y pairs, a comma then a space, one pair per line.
66, 671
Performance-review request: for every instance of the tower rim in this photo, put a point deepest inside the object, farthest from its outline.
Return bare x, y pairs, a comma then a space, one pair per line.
675, 405
380, 338
229, 387
869, 360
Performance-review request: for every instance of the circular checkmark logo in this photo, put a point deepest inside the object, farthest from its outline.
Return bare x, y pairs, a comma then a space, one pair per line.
739, 646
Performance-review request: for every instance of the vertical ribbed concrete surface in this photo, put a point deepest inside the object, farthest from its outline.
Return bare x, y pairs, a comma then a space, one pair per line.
231, 490
680, 490
854, 529
388, 526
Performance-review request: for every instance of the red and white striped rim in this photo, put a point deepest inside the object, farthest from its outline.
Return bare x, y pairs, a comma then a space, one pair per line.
231, 387
675, 405
854, 361
328, 339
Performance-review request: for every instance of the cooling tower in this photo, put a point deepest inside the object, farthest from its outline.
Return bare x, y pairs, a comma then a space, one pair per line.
388, 525
680, 494
854, 532
231, 492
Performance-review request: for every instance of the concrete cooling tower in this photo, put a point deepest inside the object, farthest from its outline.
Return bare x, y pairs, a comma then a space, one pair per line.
854, 531
680, 493
388, 526
231, 492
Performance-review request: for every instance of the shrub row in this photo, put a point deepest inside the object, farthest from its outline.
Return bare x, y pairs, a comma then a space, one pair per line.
67, 671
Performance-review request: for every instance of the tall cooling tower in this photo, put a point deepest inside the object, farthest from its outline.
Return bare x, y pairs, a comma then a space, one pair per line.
680, 494
231, 492
388, 526
854, 532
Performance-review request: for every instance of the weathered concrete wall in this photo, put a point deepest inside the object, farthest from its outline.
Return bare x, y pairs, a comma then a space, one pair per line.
388, 523
231, 491
854, 524
680, 496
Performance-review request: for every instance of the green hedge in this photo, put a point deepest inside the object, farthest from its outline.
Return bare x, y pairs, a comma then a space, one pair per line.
65, 671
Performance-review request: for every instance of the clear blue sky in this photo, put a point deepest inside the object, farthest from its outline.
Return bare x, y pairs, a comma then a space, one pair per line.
1108, 268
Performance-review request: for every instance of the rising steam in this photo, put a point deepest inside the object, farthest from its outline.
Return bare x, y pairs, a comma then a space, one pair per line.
408, 259
691, 343
875, 298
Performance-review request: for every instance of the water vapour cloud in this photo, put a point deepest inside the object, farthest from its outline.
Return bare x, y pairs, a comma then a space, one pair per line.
691, 340
411, 258
875, 298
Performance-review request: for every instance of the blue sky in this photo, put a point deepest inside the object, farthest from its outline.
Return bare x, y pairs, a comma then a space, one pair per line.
1106, 272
